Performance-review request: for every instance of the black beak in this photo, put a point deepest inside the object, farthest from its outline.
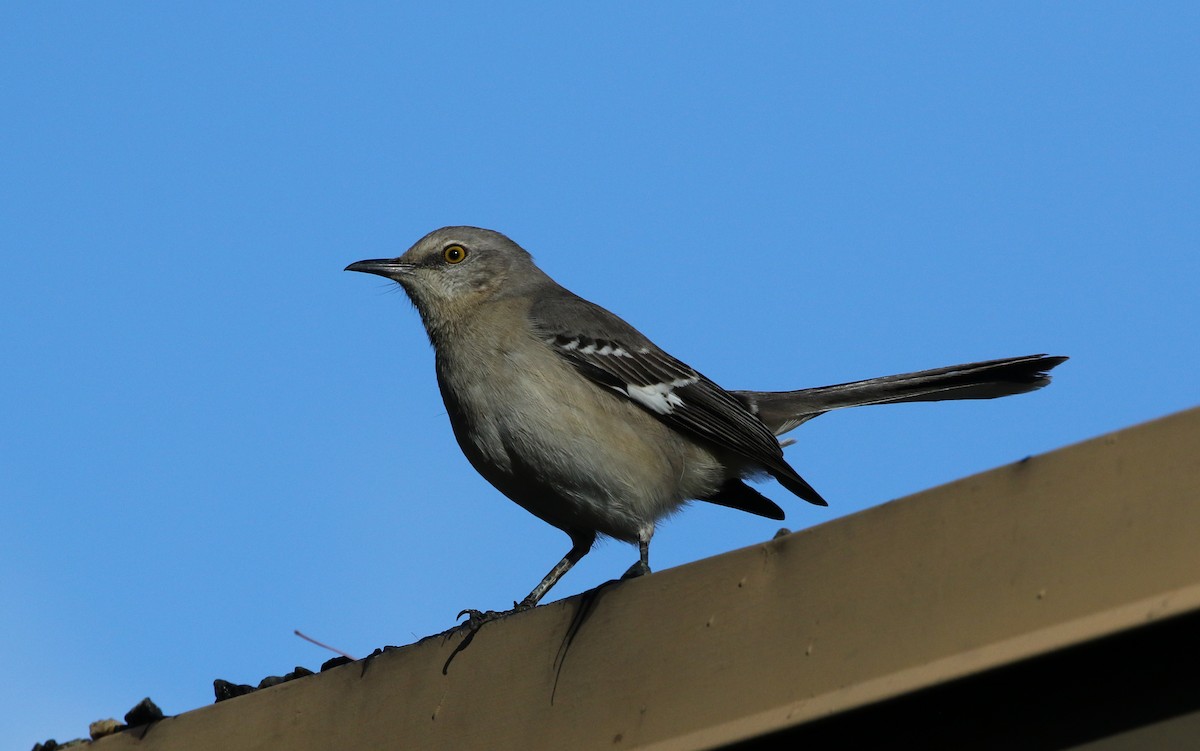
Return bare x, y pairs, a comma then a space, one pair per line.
389, 267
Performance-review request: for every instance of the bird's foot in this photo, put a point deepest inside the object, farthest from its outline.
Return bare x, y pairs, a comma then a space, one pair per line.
641, 568
474, 622
476, 618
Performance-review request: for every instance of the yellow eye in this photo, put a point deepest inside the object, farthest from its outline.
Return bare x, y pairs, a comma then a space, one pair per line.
454, 253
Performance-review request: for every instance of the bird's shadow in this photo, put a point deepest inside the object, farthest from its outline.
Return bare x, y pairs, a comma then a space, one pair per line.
587, 603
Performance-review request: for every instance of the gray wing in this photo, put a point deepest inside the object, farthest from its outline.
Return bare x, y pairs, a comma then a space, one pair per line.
611, 353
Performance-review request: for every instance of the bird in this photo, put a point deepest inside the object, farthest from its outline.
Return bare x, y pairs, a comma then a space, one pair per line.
580, 419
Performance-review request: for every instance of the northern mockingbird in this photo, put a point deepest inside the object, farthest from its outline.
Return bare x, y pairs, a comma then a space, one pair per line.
581, 420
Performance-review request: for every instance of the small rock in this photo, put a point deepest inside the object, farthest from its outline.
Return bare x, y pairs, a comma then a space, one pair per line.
143, 713
101, 728
334, 662
226, 690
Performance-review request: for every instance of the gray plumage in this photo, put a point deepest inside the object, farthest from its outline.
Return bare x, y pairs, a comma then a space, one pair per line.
580, 419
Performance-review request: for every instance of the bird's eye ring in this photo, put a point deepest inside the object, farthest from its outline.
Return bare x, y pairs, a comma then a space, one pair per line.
454, 253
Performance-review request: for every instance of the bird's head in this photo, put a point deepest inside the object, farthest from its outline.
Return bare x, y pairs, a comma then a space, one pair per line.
452, 271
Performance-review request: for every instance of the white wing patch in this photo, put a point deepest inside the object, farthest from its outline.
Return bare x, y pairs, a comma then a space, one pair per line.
660, 397
604, 349
605, 355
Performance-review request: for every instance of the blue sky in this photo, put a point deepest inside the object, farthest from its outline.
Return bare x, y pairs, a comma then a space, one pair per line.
213, 436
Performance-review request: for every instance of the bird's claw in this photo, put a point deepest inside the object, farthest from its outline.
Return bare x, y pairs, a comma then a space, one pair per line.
476, 618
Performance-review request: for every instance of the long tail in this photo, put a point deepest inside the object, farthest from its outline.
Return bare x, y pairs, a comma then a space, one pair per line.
783, 410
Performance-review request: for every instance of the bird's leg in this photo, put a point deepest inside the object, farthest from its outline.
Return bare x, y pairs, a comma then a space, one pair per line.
642, 567
580, 545
579, 548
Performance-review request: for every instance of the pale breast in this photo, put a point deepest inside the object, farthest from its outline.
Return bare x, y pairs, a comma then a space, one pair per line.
562, 447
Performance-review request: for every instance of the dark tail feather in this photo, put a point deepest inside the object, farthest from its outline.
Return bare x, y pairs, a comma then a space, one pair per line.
798, 485
737, 494
783, 410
